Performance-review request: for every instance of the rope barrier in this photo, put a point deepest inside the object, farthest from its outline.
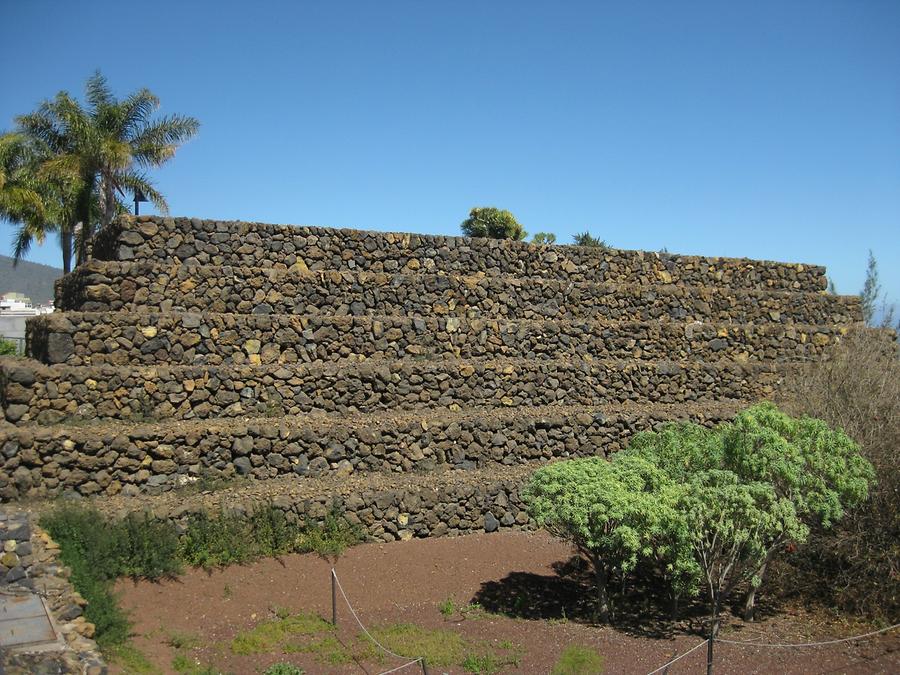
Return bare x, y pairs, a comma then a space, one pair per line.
368, 634
678, 658
808, 644
405, 665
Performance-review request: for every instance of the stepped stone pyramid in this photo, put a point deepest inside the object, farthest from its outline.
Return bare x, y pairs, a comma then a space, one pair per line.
416, 380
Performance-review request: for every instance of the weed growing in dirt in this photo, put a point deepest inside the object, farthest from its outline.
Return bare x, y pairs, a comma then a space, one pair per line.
130, 660
185, 666
284, 669
181, 640
486, 664
577, 660
227, 592
447, 608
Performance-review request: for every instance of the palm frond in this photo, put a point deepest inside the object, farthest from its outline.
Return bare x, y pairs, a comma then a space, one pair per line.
97, 92
156, 142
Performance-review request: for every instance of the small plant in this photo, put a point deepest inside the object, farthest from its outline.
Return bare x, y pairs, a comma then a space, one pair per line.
227, 592
284, 669
180, 640
447, 608
8, 348
544, 238
587, 239
281, 612
577, 660
185, 666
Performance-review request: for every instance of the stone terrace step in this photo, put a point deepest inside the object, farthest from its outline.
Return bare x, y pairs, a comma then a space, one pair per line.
207, 242
112, 458
112, 286
33, 392
387, 506
121, 338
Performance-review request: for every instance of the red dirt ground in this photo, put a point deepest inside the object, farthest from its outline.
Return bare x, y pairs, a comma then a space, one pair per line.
514, 572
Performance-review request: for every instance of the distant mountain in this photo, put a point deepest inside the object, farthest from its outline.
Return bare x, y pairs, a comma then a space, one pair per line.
30, 279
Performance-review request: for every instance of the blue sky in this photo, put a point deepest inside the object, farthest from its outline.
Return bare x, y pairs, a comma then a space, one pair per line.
759, 129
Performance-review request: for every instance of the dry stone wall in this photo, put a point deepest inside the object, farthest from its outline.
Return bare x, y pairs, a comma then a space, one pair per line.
55, 394
260, 245
416, 380
177, 338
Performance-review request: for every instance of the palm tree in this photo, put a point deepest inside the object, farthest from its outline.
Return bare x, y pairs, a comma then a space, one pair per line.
39, 204
104, 149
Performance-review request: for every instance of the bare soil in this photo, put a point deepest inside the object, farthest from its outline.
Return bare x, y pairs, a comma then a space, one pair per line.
534, 595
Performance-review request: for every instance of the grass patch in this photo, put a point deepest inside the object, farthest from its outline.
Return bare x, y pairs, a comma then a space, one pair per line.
184, 665
131, 660
284, 669
442, 647
272, 635
577, 660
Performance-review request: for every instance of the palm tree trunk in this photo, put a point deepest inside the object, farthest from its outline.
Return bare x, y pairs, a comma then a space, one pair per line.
83, 214
65, 241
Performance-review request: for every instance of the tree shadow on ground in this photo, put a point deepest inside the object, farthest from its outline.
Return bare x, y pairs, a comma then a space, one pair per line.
643, 610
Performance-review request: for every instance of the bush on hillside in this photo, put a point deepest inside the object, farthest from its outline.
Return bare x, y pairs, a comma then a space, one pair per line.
856, 565
492, 223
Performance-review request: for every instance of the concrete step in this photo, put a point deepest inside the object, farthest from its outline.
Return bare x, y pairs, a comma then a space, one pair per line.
179, 338
110, 458
208, 242
36, 393
115, 286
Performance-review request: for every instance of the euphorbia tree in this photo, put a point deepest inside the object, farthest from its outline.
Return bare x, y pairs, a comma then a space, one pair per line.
612, 511
816, 473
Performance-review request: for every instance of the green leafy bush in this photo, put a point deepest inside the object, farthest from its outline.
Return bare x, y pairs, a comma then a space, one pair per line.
7, 348
492, 223
715, 505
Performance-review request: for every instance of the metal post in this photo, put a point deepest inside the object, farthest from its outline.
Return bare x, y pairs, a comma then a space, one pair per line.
333, 598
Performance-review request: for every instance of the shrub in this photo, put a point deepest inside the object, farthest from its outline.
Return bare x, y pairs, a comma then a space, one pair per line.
8, 348
492, 223
544, 238
148, 547
331, 538
856, 565
93, 548
587, 239
216, 541
577, 660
